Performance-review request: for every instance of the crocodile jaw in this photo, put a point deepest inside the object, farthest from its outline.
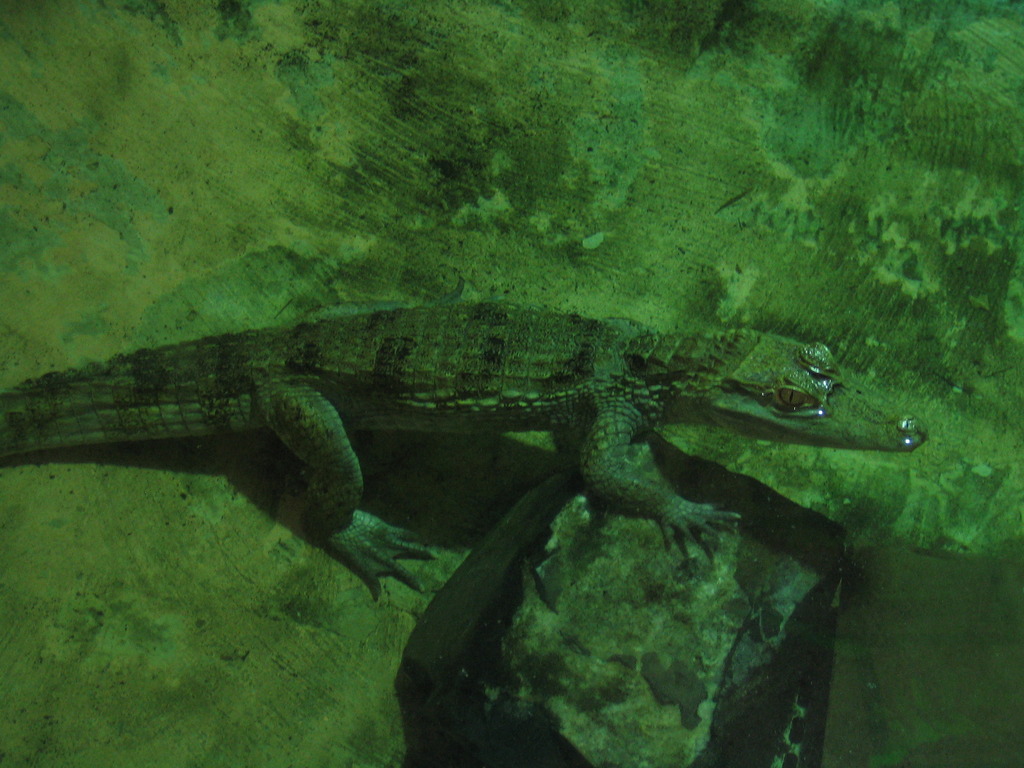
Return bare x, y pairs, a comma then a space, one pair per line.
853, 417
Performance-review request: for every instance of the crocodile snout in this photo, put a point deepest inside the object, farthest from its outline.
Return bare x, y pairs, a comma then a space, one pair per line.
912, 432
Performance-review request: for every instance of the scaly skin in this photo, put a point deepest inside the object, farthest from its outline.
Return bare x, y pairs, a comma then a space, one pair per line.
459, 367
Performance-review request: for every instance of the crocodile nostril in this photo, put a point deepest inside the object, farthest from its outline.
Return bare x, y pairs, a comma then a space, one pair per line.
913, 433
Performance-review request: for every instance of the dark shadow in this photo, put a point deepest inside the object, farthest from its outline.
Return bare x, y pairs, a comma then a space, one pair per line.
453, 688
449, 489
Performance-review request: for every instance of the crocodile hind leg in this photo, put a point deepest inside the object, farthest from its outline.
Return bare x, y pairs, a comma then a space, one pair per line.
311, 427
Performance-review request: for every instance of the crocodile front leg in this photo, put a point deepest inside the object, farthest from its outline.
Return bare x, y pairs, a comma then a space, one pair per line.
311, 427
624, 474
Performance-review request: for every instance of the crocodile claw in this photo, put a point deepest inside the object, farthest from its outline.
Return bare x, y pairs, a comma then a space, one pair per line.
371, 548
686, 518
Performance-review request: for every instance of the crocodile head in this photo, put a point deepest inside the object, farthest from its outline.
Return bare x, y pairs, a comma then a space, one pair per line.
789, 391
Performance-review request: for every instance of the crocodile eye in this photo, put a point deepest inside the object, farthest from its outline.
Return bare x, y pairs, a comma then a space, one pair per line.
817, 358
791, 399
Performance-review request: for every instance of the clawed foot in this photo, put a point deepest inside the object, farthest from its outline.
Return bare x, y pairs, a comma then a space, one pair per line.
693, 521
370, 548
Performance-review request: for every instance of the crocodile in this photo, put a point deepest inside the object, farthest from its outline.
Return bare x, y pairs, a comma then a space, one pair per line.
601, 384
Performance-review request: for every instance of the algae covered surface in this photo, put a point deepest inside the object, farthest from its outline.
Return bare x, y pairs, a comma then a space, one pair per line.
848, 172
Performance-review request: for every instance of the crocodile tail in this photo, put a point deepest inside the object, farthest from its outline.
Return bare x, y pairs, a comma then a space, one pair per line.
17, 433
6, 433
196, 388
36, 420
108, 411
